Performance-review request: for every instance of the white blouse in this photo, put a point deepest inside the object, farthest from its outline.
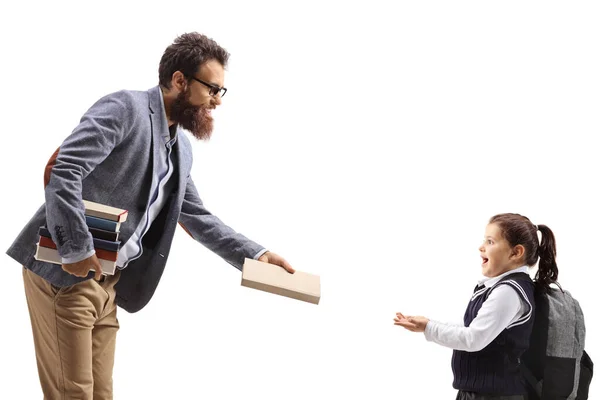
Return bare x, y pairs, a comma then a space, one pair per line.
504, 308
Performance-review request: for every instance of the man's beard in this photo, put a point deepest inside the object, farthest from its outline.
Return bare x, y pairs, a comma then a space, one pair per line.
195, 119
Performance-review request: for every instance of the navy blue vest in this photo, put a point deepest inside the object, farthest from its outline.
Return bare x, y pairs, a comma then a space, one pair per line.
495, 369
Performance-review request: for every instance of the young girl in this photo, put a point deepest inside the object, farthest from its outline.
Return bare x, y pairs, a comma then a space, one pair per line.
499, 318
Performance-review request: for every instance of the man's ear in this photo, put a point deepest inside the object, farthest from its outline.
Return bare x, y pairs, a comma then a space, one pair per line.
178, 81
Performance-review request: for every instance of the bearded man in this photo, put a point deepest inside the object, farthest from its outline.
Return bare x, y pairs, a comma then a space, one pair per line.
128, 151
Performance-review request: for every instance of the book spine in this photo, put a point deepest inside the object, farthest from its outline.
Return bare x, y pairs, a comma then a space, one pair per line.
101, 223
106, 255
106, 235
47, 242
106, 245
111, 234
104, 215
44, 232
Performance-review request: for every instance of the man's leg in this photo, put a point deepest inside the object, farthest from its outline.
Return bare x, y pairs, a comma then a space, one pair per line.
104, 337
63, 322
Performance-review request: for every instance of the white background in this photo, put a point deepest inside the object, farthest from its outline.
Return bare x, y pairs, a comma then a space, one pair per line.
367, 142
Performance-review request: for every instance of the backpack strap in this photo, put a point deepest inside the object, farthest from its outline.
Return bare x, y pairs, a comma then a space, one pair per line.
510, 280
585, 376
534, 384
516, 275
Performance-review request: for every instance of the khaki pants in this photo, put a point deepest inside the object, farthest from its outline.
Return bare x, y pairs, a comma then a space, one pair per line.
74, 332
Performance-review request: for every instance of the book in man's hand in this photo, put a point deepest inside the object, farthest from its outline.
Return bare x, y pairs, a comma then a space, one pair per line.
104, 223
50, 255
105, 212
274, 279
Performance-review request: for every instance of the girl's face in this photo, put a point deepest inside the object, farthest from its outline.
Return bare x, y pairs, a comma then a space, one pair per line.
498, 257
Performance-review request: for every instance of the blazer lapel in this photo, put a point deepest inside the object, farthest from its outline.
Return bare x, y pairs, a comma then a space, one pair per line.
159, 127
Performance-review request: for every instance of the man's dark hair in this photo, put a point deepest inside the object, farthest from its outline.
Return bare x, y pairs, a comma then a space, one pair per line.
187, 53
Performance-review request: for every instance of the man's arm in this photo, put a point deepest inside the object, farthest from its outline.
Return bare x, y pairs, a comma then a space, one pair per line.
209, 230
100, 130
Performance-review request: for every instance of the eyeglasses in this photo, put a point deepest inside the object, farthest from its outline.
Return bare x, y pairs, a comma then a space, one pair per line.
213, 90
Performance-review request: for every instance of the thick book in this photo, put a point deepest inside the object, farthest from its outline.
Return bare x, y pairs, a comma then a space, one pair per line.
103, 211
101, 223
98, 243
274, 279
51, 256
100, 253
105, 235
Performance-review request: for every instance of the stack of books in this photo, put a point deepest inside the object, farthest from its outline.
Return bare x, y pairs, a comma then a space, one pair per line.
104, 223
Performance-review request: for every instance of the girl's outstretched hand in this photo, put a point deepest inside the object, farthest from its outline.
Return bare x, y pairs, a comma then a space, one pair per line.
413, 324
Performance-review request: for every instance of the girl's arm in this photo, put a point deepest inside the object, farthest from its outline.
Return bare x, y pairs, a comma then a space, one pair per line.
501, 308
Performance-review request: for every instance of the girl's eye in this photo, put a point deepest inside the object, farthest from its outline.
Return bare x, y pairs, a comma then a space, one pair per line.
489, 242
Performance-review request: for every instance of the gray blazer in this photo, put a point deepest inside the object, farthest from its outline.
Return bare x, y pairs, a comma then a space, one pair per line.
109, 159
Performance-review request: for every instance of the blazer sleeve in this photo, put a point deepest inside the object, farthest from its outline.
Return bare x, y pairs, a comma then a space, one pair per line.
100, 130
209, 230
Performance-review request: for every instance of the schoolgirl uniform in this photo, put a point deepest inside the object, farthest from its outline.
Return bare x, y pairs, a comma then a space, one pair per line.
487, 349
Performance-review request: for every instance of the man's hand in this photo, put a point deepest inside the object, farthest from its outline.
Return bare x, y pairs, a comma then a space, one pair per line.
83, 267
413, 324
275, 259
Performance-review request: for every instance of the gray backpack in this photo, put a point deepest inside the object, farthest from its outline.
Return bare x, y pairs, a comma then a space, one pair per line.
556, 365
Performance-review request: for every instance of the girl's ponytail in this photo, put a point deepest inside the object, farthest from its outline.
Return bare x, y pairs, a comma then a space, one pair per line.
547, 269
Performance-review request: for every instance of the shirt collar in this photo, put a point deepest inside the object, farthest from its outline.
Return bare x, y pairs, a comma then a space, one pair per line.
489, 282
